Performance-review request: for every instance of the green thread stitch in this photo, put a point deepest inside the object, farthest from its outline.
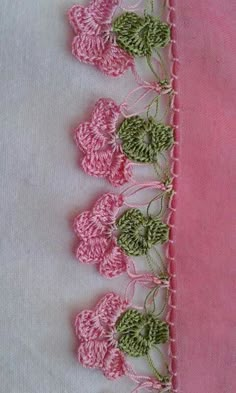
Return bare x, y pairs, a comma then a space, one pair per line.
143, 139
140, 35
139, 333
139, 233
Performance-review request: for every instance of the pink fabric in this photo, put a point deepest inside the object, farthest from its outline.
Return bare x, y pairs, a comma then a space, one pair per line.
205, 243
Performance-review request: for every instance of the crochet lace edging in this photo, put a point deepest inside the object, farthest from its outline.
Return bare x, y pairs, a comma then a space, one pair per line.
116, 328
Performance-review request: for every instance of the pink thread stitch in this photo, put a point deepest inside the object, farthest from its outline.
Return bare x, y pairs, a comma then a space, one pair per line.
170, 250
97, 241
96, 332
97, 139
94, 42
146, 383
147, 87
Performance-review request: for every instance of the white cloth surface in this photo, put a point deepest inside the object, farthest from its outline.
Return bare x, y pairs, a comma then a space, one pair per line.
44, 93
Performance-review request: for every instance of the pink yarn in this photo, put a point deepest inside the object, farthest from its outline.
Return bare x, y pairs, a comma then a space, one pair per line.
147, 87
94, 43
97, 139
147, 280
150, 385
147, 383
96, 332
95, 230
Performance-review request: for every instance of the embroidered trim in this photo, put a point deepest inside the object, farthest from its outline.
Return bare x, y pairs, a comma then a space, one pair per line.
115, 140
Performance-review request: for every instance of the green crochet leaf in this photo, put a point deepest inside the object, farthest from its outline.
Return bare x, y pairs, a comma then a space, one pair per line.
129, 321
139, 233
140, 332
134, 346
143, 139
160, 335
130, 220
157, 231
140, 35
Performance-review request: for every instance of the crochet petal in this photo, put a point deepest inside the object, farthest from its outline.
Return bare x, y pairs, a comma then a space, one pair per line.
82, 20
87, 326
96, 134
98, 163
82, 136
88, 48
75, 16
92, 44
102, 11
114, 364
107, 207
120, 170
114, 263
89, 138
87, 226
91, 354
105, 116
110, 308
92, 250
114, 61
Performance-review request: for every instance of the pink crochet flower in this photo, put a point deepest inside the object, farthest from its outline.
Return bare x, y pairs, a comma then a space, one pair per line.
94, 43
95, 230
96, 332
97, 139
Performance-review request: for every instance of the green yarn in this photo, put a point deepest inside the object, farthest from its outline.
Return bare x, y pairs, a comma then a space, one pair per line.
139, 233
143, 139
140, 35
129, 322
139, 333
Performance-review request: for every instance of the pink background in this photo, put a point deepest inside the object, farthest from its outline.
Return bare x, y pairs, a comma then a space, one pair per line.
206, 234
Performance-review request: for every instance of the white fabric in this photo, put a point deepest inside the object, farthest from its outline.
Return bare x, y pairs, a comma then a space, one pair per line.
44, 92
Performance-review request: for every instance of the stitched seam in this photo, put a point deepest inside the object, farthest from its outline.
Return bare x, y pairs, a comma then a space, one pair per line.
170, 251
